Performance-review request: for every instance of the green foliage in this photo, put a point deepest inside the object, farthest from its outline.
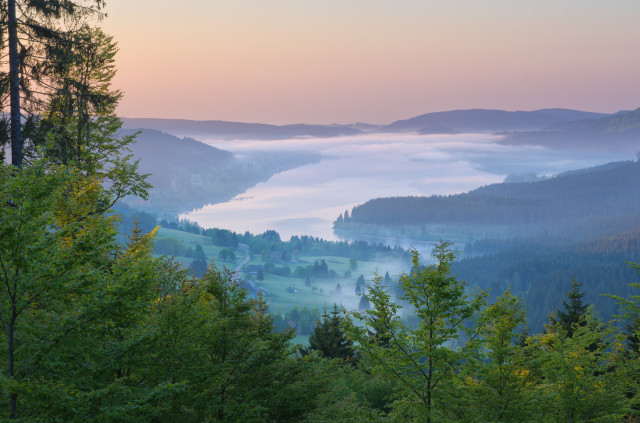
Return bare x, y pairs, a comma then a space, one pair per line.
497, 384
72, 301
583, 377
353, 263
93, 331
222, 343
79, 125
227, 254
420, 359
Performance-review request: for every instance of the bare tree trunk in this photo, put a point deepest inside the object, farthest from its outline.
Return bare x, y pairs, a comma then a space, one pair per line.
14, 81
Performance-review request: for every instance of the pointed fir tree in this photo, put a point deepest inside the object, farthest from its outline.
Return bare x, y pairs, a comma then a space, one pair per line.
329, 339
387, 280
364, 304
574, 310
360, 285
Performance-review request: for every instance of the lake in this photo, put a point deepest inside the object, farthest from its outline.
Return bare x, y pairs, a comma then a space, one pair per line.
354, 169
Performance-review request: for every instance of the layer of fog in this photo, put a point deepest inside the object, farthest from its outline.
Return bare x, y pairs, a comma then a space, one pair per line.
306, 200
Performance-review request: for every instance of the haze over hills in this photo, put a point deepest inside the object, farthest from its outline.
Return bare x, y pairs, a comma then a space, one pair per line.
188, 174
485, 120
238, 130
447, 122
620, 131
532, 236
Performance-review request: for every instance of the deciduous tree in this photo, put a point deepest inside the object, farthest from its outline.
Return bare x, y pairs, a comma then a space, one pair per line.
421, 359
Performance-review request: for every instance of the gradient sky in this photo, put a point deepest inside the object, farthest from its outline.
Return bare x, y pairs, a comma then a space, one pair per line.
342, 61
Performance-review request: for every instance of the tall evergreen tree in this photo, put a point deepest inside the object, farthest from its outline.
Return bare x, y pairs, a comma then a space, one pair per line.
329, 338
574, 310
360, 285
78, 126
387, 280
31, 34
380, 318
364, 304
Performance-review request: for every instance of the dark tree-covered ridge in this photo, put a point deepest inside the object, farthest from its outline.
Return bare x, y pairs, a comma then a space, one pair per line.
524, 208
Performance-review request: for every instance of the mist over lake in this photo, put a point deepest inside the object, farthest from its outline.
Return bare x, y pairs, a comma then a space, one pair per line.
306, 200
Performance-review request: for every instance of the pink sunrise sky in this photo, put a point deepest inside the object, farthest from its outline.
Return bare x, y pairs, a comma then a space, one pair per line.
376, 61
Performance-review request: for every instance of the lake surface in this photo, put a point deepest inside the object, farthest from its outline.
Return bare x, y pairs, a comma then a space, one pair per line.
306, 200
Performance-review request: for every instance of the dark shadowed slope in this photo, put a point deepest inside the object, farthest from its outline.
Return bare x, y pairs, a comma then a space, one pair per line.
188, 174
589, 200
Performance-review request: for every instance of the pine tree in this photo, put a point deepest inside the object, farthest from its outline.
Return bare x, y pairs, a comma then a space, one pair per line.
360, 285
329, 339
364, 304
632, 335
34, 32
380, 318
79, 125
574, 311
387, 280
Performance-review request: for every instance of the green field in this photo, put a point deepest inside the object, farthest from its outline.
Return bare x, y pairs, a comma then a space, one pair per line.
192, 240
320, 293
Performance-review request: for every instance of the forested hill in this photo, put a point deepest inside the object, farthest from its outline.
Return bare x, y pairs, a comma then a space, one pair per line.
187, 174
620, 131
603, 194
160, 152
484, 120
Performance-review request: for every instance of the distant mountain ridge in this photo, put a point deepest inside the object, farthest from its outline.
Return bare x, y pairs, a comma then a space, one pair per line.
487, 120
619, 122
554, 128
620, 131
237, 130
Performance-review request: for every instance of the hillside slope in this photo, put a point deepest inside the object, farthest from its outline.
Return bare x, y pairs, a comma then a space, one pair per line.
484, 120
619, 132
187, 174
569, 203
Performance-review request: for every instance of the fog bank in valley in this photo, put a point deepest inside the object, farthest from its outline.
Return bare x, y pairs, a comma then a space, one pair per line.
354, 169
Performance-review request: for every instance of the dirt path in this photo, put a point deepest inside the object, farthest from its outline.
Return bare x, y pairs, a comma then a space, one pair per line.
245, 249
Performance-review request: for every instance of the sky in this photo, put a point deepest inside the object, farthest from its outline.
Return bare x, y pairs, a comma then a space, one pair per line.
373, 61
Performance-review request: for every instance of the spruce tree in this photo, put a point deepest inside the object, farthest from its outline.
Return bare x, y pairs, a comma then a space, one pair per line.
387, 280
360, 285
32, 32
329, 339
574, 310
364, 304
